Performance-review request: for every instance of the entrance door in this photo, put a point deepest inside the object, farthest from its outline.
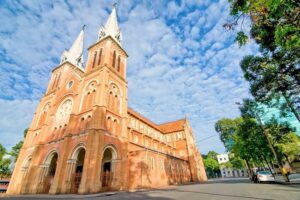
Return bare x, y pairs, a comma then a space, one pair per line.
49, 178
77, 174
107, 168
106, 179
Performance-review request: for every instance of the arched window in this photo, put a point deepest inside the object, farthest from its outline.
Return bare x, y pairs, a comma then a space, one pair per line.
89, 97
94, 60
109, 123
114, 59
43, 115
135, 138
115, 126
58, 79
82, 123
88, 121
99, 57
53, 85
114, 98
119, 60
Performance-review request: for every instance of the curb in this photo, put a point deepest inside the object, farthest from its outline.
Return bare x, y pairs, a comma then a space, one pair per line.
287, 183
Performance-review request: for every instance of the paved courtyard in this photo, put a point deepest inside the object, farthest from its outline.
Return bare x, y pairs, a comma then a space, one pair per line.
236, 189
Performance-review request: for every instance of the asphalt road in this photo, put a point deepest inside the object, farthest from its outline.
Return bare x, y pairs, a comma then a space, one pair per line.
236, 189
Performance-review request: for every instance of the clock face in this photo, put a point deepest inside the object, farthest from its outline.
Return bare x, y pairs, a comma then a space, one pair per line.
64, 110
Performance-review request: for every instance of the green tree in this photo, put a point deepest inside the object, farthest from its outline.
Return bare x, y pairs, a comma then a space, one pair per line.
236, 162
4, 167
212, 154
290, 147
274, 23
4, 163
211, 164
272, 131
16, 150
2, 151
272, 79
226, 128
211, 167
275, 26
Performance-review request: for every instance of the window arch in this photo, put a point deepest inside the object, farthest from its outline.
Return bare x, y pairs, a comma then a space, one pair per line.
115, 126
26, 163
94, 59
43, 115
89, 96
109, 123
114, 98
119, 60
99, 57
114, 60
58, 79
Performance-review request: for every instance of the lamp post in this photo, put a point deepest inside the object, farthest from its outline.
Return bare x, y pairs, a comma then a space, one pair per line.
265, 132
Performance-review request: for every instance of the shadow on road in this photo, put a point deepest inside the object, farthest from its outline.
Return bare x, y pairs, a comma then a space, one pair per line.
223, 195
125, 195
228, 181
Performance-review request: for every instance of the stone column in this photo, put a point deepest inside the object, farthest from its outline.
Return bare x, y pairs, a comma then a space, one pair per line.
70, 169
115, 172
43, 170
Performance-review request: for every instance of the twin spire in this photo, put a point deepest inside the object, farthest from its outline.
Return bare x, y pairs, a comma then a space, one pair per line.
75, 54
111, 27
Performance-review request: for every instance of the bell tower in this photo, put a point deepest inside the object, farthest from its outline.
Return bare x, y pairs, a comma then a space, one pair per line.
108, 51
107, 60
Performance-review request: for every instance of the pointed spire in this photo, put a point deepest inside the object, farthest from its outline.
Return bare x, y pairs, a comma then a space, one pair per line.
75, 53
111, 27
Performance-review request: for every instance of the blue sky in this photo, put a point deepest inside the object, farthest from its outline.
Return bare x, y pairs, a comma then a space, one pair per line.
181, 60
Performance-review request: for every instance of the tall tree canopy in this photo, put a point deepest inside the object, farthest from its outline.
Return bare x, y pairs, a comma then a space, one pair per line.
275, 26
226, 128
211, 164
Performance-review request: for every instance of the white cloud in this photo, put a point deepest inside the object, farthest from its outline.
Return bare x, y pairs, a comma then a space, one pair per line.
182, 62
16, 116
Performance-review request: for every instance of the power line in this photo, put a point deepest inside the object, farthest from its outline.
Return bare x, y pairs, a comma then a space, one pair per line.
207, 138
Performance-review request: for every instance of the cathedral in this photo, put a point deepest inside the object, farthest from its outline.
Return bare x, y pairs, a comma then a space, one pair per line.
84, 138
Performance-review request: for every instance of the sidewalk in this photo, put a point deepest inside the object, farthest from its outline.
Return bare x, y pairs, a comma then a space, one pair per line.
294, 179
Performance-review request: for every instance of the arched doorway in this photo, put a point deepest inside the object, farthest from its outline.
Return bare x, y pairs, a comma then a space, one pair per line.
78, 156
108, 167
49, 172
23, 180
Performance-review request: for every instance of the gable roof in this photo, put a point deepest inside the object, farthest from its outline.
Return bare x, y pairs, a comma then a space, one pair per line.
174, 126
168, 127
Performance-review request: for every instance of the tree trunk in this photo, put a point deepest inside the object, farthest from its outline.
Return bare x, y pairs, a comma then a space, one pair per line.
250, 172
291, 105
268, 165
287, 159
272, 149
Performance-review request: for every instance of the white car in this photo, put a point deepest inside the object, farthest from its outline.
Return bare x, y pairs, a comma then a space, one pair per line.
265, 176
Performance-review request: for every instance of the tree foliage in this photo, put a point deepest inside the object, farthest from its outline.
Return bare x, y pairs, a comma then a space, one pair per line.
275, 23
16, 150
226, 128
211, 164
4, 163
2, 151
275, 26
